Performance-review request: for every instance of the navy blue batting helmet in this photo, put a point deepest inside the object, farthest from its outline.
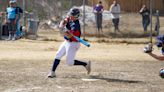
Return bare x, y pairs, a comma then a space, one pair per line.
74, 12
160, 42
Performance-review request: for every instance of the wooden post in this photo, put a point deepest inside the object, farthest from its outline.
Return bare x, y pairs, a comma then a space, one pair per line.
157, 24
71, 4
151, 11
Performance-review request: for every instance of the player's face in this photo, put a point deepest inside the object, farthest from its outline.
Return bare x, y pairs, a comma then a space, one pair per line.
73, 18
162, 45
114, 2
11, 4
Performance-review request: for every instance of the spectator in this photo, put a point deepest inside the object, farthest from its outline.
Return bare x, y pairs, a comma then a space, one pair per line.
11, 19
145, 12
115, 11
98, 10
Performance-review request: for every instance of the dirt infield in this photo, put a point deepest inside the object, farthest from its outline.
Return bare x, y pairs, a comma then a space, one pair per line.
24, 65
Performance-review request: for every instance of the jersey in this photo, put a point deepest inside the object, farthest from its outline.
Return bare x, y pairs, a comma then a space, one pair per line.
11, 13
145, 14
98, 8
74, 28
19, 11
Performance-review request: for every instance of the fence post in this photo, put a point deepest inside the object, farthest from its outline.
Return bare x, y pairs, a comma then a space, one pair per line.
83, 19
151, 12
24, 17
0, 27
157, 24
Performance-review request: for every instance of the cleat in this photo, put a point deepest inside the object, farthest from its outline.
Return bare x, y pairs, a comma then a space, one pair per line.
88, 67
51, 75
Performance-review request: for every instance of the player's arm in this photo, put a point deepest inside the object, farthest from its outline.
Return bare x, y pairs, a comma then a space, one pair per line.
141, 10
63, 29
148, 49
62, 26
161, 58
111, 9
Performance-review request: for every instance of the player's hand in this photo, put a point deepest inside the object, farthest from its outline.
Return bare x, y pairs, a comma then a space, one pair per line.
63, 30
67, 34
148, 48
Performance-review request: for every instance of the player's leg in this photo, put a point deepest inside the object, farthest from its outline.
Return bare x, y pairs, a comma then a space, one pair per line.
144, 25
60, 53
97, 24
13, 31
117, 24
114, 24
10, 30
87, 65
18, 32
71, 50
101, 20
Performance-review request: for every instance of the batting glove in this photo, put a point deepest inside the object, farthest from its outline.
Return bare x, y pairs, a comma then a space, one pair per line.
148, 48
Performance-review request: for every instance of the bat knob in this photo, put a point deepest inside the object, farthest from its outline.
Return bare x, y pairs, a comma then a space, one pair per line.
88, 45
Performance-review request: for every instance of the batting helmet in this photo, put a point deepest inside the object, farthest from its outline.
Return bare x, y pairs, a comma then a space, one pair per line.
12, 1
74, 12
161, 73
160, 42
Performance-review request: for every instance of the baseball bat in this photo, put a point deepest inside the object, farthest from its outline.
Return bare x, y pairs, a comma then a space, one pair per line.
77, 38
80, 40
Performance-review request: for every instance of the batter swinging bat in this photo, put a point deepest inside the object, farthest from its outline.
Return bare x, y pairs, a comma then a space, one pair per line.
62, 29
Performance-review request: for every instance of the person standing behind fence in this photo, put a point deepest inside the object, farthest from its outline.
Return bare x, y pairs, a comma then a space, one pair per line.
11, 19
98, 10
145, 12
115, 11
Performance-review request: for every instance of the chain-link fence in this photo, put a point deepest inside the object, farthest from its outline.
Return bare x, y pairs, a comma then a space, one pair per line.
130, 23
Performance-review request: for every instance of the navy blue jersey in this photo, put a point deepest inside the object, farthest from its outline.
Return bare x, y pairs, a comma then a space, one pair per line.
74, 28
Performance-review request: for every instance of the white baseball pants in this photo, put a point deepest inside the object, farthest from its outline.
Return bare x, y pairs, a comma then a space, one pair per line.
69, 49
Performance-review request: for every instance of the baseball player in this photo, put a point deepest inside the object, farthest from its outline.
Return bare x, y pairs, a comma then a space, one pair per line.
70, 25
160, 44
